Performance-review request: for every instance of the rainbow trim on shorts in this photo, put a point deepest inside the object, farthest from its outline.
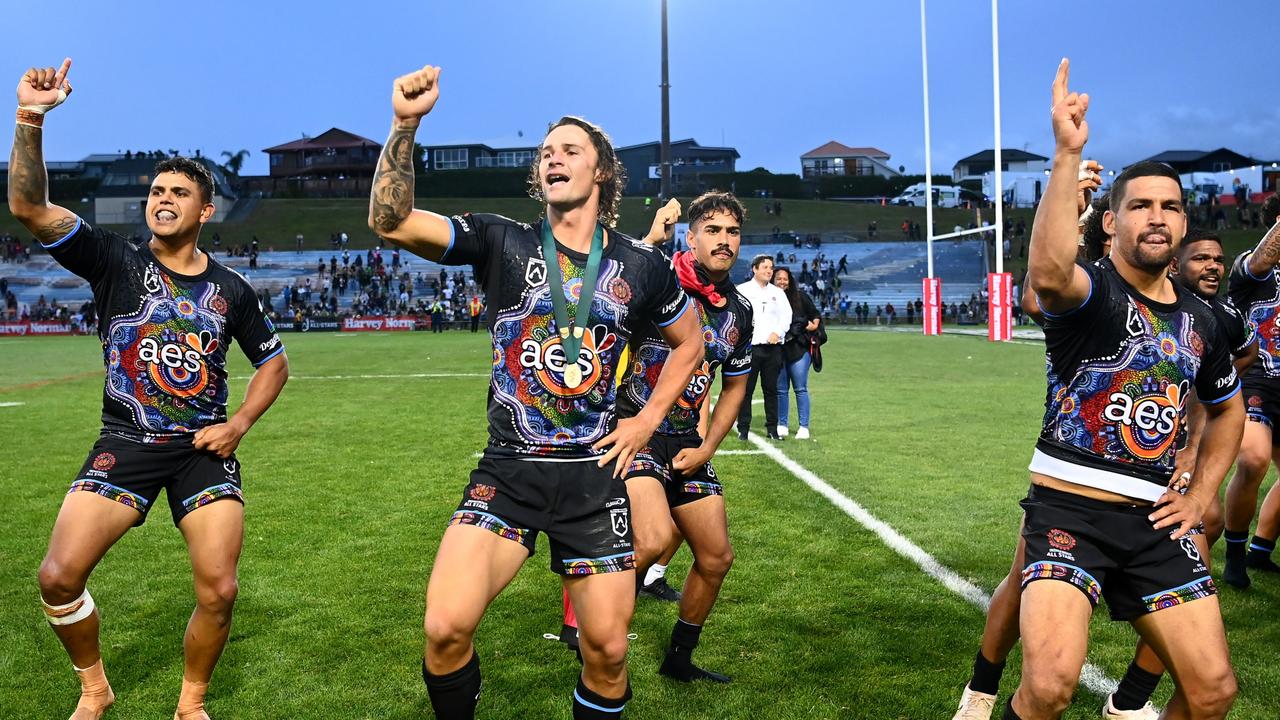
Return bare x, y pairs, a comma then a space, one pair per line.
111, 492
693, 487
1045, 570
597, 566
492, 523
208, 495
644, 464
1194, 590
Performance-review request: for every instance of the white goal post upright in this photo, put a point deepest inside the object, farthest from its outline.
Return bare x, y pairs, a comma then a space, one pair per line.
1000, 302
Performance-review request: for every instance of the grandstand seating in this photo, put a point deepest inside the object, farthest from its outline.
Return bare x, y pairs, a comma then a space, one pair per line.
879, 272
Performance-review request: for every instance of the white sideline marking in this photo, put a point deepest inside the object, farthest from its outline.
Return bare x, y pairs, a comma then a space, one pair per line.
1091, 676
11, 404
376, 377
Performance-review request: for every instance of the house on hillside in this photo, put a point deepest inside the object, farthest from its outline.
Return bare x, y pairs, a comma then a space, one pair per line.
690, 164
836, 158
1012, 160
332, 153
472, 156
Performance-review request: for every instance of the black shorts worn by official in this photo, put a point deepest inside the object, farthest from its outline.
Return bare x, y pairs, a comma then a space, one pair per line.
133, 473
1111, 551
656, 459
582, 508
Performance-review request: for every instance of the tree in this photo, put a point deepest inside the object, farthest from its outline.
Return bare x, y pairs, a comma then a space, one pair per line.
235, 160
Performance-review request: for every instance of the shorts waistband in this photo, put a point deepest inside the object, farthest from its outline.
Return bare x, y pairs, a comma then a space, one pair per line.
1040, 492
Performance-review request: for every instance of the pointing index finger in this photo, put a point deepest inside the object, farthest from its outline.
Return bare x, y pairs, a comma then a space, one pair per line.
1060, 81
62, 73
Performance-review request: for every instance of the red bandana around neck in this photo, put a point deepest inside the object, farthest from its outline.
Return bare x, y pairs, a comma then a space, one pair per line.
694, 279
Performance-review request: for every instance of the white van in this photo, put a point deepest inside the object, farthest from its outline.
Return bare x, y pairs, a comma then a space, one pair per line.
945, 196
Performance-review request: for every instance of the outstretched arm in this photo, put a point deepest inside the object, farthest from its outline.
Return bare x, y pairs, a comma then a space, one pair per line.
391, 212
39, 91
1052, 272
723, 416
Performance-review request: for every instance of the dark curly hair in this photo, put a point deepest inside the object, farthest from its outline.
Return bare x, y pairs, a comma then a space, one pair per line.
1271, 209
716, 201
193, 169
1095, 238
614, 175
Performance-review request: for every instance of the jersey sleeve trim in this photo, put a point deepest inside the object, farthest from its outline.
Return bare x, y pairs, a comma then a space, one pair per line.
726, 373
678, 315
452, 237
264, 360
66, 237
1073, 310
1234, 391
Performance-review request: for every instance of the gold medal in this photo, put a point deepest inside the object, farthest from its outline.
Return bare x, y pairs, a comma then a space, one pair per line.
572, 376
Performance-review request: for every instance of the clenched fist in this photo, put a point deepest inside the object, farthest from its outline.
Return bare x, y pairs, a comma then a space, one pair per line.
413, 95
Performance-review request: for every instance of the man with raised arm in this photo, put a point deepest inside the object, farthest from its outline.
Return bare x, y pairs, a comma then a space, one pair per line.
1125, 347
168, 315
1255, 290
564, 295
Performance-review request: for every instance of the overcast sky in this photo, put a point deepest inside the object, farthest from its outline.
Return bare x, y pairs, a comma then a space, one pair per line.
772, 79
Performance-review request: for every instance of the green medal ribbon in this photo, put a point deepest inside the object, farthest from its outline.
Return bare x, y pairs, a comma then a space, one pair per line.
571, 333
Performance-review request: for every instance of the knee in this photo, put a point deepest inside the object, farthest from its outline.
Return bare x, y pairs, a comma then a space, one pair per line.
1252, 463
1048, 690
446, 631
1212, 695
218, 596
607, 652
716, 563
59, 585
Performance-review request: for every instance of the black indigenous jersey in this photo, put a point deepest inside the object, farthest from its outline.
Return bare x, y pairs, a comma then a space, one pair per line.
531, 409
164, 335
1258, 299
1120, 368
727, 334
1238, 331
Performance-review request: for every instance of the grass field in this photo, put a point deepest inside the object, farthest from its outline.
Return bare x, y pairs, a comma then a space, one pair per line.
350, 480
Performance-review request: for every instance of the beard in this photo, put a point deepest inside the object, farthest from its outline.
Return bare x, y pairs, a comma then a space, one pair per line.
1151, 258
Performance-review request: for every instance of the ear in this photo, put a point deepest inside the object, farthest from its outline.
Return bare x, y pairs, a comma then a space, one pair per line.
206, 213
1109, 222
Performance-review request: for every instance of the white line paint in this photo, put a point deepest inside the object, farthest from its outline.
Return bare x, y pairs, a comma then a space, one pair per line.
1092, 676
11, 404
379, 377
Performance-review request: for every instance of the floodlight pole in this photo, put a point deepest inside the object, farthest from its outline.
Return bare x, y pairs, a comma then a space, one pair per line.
995, 91
665, 152
928, 148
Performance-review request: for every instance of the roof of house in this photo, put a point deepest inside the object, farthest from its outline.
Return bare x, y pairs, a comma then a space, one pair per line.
331, 138
834, 149
1190, 156
686, 141
1006, 155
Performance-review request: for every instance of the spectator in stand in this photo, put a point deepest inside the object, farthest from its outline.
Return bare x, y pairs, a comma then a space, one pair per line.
879, 314
911, 314
437, 316
795, 354
476, 307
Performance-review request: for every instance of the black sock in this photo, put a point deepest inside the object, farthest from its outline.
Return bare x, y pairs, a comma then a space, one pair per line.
986, 675
1136, 688
454, 696
1009, 714
684, 638
1237, 543
1261, 546
588, 705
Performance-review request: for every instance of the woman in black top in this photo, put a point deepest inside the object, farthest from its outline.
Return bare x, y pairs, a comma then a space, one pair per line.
795, 353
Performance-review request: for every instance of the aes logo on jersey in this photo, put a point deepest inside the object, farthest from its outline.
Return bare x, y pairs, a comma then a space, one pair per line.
548, 361
175, 362
1147, 417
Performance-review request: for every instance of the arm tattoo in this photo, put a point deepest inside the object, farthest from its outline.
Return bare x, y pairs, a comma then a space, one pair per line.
28, 181
1268, 251
392, 197
55, 230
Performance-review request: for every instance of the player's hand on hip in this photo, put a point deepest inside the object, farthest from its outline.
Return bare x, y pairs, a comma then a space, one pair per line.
628, 438
1182, 513
1070, 131
690, 460
413, 95
42, 89
221, 439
